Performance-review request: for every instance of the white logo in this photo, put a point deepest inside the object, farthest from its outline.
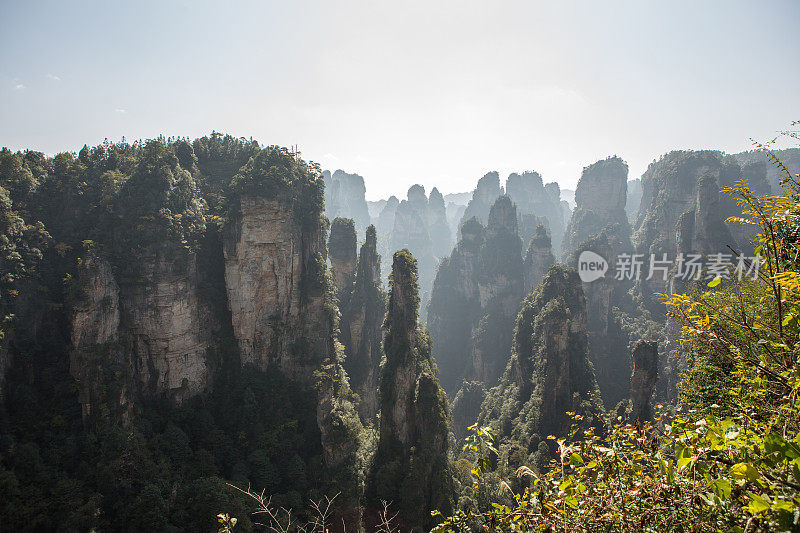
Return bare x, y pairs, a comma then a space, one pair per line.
591, 266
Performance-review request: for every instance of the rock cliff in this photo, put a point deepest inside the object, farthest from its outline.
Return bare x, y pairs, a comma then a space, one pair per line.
441, 235
345, 197
153, 326
455, 307
634, 199
475, 298
361, 328
273, 276
95, 336
549, 372
384, 226
412, 231
139, 323
484, 195
500, 289
643, 380
537, 203
466, 407
282, 306
185, 322
682, 211
167, 323
600, 201
789, 157
411, 467
342, 253
611, 316
599, 224
538, 258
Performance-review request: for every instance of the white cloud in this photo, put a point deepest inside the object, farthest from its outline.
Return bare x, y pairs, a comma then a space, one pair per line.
53, 77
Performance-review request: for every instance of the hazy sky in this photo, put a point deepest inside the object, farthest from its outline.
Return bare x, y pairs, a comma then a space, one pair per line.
406, 92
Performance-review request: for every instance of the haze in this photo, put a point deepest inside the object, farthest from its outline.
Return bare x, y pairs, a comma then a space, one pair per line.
405, 93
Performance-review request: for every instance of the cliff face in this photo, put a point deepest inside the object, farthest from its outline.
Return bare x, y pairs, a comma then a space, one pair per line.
271, 265
549, 372
538, 258
282, 308
95, 335
682, 210
162, 324
678, 183
484, 195
608, 308
537, 203
500, 289
95, 315
502, 272
345, 197
342, 253
168, 327
412, 231
153, 326
165, 304
790, 157
643, 380
600, 201
384, 226
361, 328
441, 234
411, 467
475, 297
466, 407
455, 305
599, 224
634, 199
603, 187
385, 223
704, 228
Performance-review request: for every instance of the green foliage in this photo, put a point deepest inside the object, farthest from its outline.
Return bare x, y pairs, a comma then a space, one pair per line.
160, 201
401, 320
275, 172
218, 158
21, 248
342, 242
729, 459
540, 238
315, 278
258, 429
138, 461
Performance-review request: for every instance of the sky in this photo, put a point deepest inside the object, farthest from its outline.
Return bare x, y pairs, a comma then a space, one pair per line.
436, 93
